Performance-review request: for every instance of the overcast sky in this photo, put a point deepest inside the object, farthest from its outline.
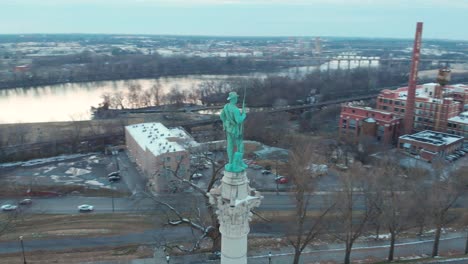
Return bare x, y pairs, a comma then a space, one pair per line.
350, 18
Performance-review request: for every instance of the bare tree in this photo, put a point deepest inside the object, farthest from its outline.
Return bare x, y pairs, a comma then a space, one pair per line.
391, 195
156, 93
208, 226
306, 226
443, 194
133, 95
353, 209
176, 95
118, 100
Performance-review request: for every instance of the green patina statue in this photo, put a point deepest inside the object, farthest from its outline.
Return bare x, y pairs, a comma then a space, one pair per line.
233, 121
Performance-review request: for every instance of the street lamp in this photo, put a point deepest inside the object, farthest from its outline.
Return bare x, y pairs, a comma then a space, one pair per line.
276, 178
112, 192
168, 259
269, 257
22, 249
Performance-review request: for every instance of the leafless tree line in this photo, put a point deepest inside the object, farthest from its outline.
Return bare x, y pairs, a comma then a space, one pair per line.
368, 201
137, 97
384, 197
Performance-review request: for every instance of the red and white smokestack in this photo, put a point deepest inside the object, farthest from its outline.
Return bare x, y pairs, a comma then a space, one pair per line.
409, 112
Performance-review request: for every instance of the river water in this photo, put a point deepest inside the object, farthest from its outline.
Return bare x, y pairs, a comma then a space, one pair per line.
73, 101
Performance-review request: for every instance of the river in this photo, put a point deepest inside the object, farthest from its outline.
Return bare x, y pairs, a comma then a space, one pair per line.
73, 101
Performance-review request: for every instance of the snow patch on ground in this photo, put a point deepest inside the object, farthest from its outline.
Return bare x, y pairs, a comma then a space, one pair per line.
95, 183
49, 169
65, 179
268, 152
381, 236
77, 171
35, 162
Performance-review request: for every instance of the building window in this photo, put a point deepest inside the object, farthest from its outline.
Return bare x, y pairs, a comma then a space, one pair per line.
397, 102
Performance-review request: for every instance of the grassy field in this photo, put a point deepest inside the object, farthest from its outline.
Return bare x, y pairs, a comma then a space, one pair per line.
54, 226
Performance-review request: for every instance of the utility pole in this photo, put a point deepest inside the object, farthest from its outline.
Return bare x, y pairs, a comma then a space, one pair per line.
22, 249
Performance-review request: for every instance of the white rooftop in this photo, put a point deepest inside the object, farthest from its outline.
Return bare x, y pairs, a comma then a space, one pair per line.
462, 118
433, 137
156, 137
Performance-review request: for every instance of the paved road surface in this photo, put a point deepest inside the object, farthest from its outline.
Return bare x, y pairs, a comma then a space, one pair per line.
453, 242
68, 204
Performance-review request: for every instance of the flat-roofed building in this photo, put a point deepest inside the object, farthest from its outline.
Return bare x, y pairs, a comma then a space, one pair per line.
433, 106
428, 145
458, 125
357, 121
159, 151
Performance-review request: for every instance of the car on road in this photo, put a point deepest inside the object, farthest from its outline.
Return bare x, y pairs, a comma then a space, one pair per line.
85, 208
266, 172
26, 201
197, 176
449, 158
255, 166
281, 180
115, 173
9, 207
114, 178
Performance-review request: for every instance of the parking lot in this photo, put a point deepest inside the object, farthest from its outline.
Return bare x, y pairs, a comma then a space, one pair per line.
77, 174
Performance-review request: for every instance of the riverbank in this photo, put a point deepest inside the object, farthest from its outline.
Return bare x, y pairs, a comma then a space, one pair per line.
23, 141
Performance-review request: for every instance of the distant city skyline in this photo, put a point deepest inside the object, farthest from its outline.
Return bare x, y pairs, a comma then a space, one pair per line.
340, 18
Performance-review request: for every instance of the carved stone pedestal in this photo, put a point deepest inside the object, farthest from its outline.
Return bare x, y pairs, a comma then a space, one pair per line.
233, 200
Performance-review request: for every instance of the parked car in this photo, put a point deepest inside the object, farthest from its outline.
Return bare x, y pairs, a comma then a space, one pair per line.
319, 169
114, 178
85, 208
266, 172
197, 176
115, 173
449, 158
341, 166
26, 201
281, 180
9, 207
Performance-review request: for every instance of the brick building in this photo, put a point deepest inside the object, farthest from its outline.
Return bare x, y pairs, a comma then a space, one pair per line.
358, 121
157, 151
432, 107
428, 145
458, 125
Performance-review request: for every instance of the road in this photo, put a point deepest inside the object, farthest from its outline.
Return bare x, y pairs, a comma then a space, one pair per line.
68, 204
453, 242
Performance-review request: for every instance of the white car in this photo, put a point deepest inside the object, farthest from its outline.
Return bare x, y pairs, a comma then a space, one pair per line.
8, 207
197, 176
26, 201
85, 208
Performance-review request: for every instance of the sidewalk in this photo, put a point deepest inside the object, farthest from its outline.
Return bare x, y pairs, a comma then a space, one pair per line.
334, 253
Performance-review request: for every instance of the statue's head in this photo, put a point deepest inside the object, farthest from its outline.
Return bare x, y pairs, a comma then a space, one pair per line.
233, 97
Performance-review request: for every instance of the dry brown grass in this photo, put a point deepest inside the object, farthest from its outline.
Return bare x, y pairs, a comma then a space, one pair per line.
80, 255
54, 226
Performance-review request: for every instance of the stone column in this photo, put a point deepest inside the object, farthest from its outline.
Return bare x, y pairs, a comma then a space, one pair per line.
233, 200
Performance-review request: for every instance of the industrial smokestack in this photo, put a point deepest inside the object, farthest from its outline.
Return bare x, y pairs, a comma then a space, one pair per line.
409, 112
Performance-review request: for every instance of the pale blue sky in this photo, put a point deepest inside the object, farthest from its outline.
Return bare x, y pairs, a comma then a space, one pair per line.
358, 18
